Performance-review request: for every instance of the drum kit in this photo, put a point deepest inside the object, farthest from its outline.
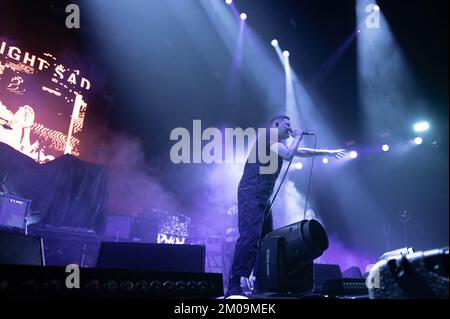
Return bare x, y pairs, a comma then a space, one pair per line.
171, 227
177, 225
177, 228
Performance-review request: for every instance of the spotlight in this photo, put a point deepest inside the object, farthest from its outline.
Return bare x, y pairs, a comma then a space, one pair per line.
325, 160
353, 154
421, 126
228, 1
298, 166
289, 253
385, 148
274, 42
286, 54
418, 140
376, 8
243, 16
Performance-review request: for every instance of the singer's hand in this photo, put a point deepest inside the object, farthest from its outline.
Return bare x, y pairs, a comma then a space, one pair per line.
295, 132
337, 154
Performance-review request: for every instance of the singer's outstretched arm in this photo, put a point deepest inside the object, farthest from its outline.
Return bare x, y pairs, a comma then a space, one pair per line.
309, 152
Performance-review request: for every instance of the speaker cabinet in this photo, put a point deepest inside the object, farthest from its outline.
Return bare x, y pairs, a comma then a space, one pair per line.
34, 282
19, 249
13, 211
155, 257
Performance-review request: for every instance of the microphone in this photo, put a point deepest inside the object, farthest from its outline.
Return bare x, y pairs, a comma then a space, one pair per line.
303, 133
6, 126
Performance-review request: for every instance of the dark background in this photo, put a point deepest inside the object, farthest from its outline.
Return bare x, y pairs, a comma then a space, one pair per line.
151, 77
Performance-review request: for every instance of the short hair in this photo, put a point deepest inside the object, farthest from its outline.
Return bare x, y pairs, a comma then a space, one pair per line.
279, 118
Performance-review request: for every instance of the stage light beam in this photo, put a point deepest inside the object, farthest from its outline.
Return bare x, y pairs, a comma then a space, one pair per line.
421, 126
274, 42
228, 1
243, 16
383, 72
286, 54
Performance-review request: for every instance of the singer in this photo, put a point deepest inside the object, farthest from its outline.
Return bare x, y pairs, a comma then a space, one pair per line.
254, 191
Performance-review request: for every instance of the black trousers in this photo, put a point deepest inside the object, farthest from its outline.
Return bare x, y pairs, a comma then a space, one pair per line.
255, 221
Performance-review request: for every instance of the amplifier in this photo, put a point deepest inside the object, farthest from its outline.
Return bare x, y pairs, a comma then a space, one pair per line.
345, 286
13, 210
18, 282
117, 226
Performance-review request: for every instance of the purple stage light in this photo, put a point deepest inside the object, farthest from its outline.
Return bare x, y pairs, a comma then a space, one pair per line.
228, 1
243, 16
325, 160
286, 54
353, 154
338, 253
385, 148
274, 42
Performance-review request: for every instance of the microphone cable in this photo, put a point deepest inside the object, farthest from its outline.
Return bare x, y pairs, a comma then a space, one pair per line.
310, 175
268, 207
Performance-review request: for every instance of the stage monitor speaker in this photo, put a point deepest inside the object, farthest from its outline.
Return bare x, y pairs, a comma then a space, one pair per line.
35, 282
19, 249
419, 275
155, 257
